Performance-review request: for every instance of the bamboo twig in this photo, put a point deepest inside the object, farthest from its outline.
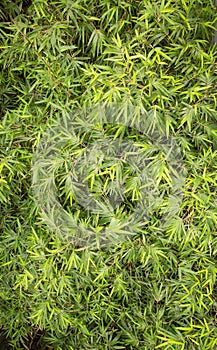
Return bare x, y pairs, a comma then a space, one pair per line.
215, 32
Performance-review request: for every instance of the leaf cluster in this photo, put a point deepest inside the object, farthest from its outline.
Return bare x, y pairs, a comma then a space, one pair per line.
158, 289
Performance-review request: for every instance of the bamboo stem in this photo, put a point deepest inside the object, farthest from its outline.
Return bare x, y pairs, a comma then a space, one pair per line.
215, 32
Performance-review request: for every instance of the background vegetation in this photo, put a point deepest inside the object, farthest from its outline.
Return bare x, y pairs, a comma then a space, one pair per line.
157, 291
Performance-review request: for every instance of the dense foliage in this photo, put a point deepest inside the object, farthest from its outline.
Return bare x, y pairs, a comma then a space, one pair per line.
157, 290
